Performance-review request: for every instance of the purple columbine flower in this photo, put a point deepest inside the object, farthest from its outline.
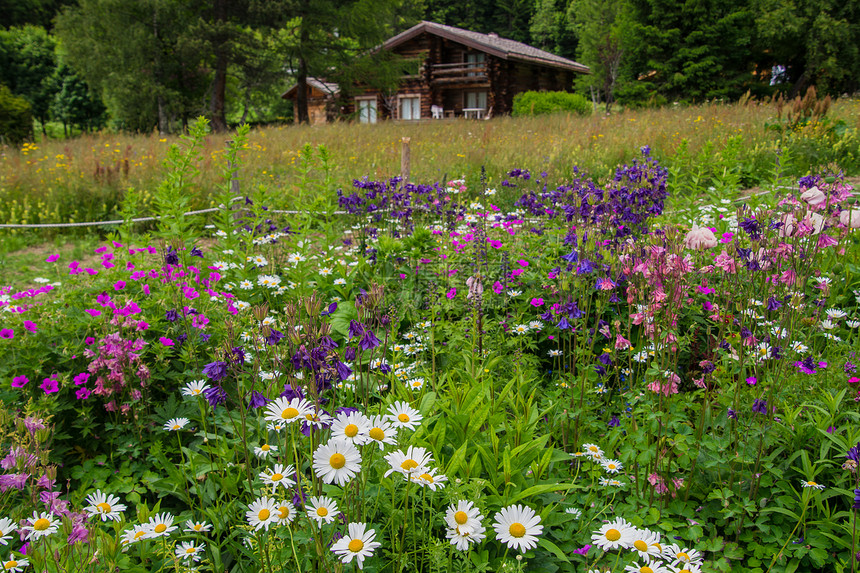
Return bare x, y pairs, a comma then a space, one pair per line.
773, 304
215, 371
368, 341
195, 252
732, 414
171, 257
343, 370
171, 315
854, 453
614, 422
215, 395
289, 392
355, 329
759, 406
257, 400
349, 354
274, 337
856, 499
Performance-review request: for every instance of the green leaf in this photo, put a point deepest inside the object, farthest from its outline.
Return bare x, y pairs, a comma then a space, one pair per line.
552, 548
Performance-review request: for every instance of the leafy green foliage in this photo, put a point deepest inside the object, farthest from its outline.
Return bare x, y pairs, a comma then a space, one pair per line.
16, 119
540, 103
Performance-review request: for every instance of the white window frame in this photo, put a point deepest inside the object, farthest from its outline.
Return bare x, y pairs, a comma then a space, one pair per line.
401, 98
372, 104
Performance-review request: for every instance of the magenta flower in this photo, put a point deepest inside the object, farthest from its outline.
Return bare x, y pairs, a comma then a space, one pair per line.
19, 381
49, 386
497, 287
119, 285
7, 333
537, 302
83, 393
93, 312
52, 258
31, 326
523, 263
89, 340
165, 341
451, 293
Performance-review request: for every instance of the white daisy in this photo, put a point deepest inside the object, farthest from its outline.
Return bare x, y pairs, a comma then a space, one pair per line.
554, 353
381, 431
322, 509
428, 478
7, 528
352, 426
359, 544
574, 511
188, 550
592, 450
675, 554
340, 281
286, 512
133, 535
262, 513
518, 526
647, 567
42, 525
160, 525
613, 535
611, 466
407, 462
521, 329
265, 450
338, 461
106, 506
175, 424
279, 476
462, 538
195, 388
289, 411
463, 516
811, 484
402, 415
14, 565
646, 543
197, 526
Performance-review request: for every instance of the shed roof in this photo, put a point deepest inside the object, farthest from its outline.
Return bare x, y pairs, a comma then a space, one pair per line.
489, 43
328, 88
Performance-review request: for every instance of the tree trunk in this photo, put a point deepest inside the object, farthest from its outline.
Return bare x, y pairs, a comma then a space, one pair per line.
163, 121
219, 91
302, 78
219, 84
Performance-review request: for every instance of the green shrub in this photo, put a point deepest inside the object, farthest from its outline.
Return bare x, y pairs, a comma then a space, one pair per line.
541, 103
16, 118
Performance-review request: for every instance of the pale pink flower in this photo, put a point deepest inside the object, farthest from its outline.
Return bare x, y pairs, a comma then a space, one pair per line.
700, 238
850, 218
476, 288
814, 197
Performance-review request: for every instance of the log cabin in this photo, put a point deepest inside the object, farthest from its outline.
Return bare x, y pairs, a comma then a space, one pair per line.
462, 74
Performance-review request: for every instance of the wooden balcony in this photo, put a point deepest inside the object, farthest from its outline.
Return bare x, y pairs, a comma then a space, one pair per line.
460, 73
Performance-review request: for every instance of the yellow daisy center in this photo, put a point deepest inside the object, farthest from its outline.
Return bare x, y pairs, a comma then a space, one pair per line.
685, 571
403, 418
337, 461
811, 483
139, 534
289, 413
613, 535
377, 434
277, 477
197, 527
517, 530
592, 448
10, 564
409, 464
263, 514
266, 447
104, 507
41, 524
640, 545
190, 550
283, 512
351, 430
356, 545
683, 556
461, 518
176, 426
645, 569
322, 511
160, 528
195, 391
427, 477
416, 384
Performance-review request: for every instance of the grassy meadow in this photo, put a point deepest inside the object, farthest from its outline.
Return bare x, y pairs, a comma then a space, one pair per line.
85, 179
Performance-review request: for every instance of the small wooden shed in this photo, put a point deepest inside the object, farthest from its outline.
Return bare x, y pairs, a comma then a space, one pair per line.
322, 100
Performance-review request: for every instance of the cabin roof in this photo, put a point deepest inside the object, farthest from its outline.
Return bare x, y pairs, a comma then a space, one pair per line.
489, 43
328, 88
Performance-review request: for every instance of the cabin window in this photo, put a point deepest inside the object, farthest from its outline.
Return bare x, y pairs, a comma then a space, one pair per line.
475, 60
475, 100
366, 110
410, 107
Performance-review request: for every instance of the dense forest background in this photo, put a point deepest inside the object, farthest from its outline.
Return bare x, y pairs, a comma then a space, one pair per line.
80, 65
